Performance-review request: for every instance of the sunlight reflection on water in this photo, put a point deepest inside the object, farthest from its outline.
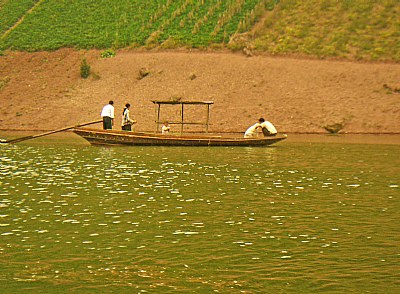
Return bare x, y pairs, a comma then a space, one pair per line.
298, 217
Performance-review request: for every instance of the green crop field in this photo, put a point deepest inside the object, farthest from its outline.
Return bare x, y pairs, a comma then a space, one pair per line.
353, 29
12, 11
126, 23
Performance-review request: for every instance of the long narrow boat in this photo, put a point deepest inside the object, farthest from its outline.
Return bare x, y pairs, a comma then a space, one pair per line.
110, 137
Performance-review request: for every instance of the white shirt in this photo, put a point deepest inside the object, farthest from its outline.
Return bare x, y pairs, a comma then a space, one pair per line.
165, 129
126, 119
270, 127
108, 110
252, 131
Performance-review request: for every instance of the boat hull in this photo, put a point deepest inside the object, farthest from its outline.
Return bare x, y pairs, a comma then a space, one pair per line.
109, 137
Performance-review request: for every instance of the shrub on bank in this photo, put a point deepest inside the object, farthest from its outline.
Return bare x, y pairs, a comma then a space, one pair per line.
85, 69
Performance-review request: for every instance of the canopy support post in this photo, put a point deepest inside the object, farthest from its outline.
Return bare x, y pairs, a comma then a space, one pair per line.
182, 119
158, 108
208, 117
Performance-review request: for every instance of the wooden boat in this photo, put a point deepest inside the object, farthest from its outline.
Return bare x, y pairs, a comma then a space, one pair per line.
111, 137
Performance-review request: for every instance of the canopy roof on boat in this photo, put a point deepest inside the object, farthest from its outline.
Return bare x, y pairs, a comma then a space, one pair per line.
181, 102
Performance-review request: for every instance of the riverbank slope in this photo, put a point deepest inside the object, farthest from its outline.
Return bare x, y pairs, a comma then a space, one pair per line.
44, 90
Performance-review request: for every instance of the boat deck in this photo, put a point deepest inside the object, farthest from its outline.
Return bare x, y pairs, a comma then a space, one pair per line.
111, 137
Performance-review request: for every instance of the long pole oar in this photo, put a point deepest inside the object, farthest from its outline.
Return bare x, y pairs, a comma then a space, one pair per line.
50, 132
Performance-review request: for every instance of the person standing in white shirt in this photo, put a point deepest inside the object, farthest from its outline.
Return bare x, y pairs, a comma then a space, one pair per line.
108, 115
127, 122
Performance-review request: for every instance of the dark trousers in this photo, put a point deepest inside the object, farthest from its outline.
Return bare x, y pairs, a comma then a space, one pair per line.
127, 128
267, 133
107, 123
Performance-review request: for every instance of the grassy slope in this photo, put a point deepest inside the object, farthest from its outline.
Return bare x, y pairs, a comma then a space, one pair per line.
353, 29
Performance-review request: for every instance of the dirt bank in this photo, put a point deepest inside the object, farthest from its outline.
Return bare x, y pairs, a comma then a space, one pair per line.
44, 91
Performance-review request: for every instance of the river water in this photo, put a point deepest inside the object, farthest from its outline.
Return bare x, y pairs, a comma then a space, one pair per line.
297, 217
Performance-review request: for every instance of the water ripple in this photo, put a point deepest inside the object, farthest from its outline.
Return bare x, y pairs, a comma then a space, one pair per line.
222, 220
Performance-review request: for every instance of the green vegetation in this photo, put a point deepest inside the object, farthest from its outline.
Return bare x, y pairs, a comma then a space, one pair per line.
130, 23
108, 53
85, 69
354, 29
11, 11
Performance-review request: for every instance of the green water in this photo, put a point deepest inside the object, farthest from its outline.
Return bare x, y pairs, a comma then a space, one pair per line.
294, 218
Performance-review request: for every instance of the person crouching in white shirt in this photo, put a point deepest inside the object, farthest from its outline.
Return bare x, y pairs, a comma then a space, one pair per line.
265, 126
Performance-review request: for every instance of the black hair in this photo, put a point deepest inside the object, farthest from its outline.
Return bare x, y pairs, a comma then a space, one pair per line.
261, 120
111, 102
127, 105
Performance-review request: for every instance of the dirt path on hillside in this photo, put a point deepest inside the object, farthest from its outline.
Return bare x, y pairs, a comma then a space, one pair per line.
44, 91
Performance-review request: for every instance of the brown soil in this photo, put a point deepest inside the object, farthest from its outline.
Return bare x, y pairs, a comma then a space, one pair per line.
44, 91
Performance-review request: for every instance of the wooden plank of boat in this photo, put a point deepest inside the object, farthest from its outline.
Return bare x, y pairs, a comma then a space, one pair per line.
110, 137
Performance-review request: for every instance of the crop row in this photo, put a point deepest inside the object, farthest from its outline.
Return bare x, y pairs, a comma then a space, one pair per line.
11, 11
104, 24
